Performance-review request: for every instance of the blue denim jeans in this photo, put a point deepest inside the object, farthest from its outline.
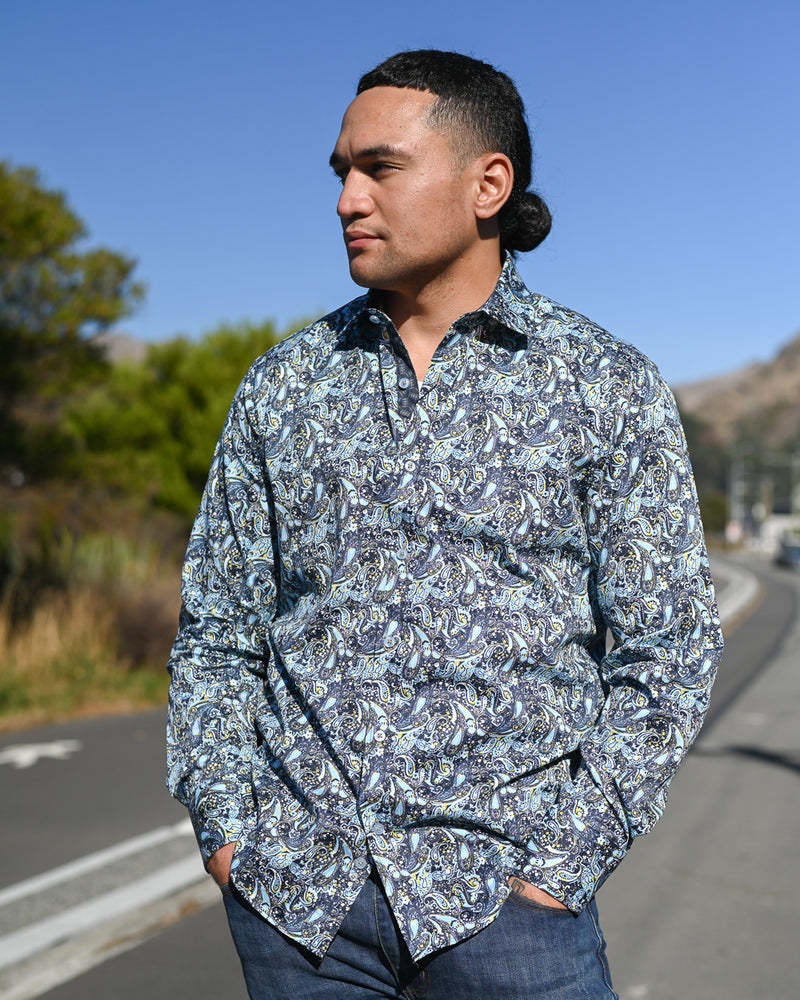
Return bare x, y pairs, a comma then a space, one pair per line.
529, 952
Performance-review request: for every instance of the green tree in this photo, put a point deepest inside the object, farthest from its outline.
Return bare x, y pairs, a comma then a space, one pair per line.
710, 458
55, 298
710, 464
149, 430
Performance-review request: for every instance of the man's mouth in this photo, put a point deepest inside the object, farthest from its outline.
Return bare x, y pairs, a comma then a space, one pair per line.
357, 238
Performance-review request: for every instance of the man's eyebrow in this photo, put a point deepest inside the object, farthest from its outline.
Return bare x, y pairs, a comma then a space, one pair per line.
382, 149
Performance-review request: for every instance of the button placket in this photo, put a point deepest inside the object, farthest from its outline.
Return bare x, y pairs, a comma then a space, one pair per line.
400, 388
406, 387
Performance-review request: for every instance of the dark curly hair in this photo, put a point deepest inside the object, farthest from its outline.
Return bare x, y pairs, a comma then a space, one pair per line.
482, 108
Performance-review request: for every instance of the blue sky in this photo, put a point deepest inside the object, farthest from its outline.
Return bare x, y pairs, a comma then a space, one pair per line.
195, 136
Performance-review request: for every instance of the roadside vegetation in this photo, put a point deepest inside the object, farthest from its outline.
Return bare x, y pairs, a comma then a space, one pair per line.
101, 466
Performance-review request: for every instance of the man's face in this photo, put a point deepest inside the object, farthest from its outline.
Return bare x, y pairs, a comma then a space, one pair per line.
406, 207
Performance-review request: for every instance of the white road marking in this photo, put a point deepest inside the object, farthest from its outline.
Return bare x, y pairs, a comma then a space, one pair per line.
76, 920
22, 755
54, 966
91, 862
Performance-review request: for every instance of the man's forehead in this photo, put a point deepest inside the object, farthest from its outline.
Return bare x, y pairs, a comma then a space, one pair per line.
385, 115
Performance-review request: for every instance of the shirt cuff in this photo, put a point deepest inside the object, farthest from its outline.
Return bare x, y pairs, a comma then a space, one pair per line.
218, 819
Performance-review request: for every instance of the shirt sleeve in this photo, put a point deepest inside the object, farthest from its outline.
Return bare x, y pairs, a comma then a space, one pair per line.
651, 586
221, 650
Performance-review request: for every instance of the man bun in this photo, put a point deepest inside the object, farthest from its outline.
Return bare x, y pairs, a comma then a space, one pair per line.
525, 221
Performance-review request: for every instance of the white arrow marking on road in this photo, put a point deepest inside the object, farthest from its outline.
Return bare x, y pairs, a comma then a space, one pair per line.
23, 755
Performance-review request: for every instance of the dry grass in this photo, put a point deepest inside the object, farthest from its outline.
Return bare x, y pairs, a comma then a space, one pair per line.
98, 646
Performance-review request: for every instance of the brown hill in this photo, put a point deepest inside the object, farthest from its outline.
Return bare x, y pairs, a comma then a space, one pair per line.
758, 402
121, 346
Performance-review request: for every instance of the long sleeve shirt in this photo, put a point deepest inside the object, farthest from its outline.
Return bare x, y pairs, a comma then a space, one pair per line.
396, 600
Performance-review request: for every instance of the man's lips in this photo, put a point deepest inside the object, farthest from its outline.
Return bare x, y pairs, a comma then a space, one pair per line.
356, 238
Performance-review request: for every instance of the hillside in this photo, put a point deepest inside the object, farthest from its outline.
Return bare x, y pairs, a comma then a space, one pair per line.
759, 402
121, 346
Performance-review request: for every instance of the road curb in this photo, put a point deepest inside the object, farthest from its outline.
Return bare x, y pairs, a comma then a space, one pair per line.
740, 594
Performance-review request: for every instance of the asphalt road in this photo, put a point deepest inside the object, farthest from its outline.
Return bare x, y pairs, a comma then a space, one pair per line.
752, 644
95, 782
100, 781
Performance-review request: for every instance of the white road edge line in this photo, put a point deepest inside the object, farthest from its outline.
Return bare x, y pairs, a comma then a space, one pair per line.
54, 966
93, 861
76, 920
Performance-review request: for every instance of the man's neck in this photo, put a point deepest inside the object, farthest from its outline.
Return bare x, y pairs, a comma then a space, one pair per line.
423, 318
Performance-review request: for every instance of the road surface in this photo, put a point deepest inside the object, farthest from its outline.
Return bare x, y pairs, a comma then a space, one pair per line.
91, 826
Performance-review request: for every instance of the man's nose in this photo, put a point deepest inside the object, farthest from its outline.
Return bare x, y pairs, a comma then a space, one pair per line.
355, 200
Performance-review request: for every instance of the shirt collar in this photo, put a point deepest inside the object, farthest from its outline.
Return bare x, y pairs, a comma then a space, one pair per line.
511, 303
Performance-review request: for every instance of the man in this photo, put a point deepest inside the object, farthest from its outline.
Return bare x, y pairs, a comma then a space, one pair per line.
408, 756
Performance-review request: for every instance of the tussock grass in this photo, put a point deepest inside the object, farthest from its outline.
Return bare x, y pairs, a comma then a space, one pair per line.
97, 643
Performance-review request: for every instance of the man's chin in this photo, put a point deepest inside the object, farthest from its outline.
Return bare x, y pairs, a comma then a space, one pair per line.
360, 279
365, 277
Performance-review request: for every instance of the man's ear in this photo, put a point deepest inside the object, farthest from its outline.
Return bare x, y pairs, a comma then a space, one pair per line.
495, 180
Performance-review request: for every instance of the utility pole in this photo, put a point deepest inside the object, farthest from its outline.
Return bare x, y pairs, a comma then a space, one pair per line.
794, 493
734, 529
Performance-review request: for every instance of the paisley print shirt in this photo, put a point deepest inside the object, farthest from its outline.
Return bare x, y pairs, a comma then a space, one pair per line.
397, 605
